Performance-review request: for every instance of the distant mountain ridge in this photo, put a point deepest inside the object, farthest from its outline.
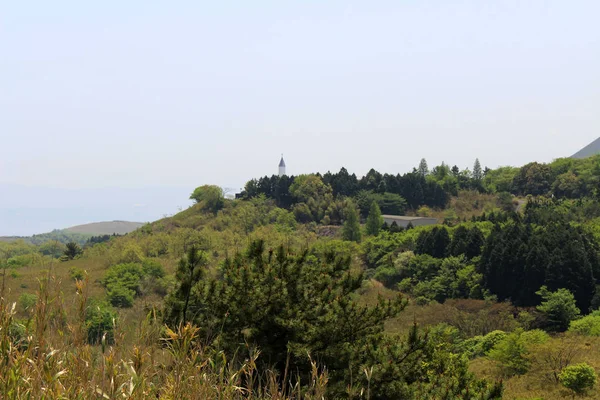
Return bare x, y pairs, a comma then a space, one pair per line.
79, 233
589, 150
106, 228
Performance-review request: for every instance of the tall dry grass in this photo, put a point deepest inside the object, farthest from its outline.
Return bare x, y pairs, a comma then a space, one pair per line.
47, 357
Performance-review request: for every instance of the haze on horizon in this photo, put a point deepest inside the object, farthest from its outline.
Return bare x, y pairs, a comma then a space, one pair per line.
148, 94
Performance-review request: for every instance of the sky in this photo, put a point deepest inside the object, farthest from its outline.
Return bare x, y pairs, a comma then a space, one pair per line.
97, 97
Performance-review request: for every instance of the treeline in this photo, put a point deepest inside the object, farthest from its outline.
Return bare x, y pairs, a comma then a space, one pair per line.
321, 198
563, 178
59, 235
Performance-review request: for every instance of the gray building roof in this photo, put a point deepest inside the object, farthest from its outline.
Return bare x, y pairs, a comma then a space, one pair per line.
282, 163
402, 220
406, 218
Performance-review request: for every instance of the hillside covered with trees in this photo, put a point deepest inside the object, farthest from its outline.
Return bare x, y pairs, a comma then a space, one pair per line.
299, 290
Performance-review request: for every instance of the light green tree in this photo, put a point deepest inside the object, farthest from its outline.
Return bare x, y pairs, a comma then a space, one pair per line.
580, 378
211, 197
558, 307
374, 220
351, 228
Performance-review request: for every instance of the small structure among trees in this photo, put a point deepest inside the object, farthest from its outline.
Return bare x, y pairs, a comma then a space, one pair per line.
403, 221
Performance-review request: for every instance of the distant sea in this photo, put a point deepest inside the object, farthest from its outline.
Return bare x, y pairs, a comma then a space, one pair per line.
25, 210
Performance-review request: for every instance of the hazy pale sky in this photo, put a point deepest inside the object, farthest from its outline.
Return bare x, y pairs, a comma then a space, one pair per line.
182, 93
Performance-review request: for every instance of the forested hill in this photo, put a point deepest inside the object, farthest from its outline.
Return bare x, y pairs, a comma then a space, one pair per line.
79, 234
301, 274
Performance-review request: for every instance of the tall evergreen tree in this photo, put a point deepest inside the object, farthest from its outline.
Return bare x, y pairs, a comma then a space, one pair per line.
374, 220
459, 242
351, 228
477, 171
189, 272
394, 228
423, 169
474, 243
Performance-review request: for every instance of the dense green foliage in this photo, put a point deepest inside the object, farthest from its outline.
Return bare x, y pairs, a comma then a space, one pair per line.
298, 307
511, 351
587, 326
580, 378
100, 322
286, 271
123, 282
558, 308
374, 220
351, 229
210, 196
72, 250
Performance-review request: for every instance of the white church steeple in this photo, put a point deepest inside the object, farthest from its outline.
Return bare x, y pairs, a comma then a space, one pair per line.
281, 167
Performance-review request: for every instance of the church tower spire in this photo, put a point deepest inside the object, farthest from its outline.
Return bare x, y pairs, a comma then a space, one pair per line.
281, 166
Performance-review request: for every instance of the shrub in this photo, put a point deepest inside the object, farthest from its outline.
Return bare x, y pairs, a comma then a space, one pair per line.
17, 333
162, 286
127, 275
579, 378
558, 308
27, 300
99, 321
480, 345
153, 268
76, 274
588, 326
491, 339
422, 301
120, 296
510, 353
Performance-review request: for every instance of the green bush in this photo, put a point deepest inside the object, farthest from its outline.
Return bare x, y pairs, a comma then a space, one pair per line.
480, 345
588, 325
580, 378
27, 301
76, 274
120, 296
100, 321
511, 352
153, 268
491, 339
18, 334
558, 308
127, 275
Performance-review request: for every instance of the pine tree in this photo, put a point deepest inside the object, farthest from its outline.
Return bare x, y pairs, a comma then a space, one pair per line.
475, 241
460, 241
189, 272
477, 172
295, 308
423, 169
72, 250
351, 228
394, 228
374, 220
